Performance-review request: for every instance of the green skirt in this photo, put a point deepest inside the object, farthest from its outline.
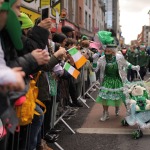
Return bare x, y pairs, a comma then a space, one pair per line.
111, 92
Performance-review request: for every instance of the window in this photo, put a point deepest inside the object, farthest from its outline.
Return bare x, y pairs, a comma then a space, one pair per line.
85, 19
66, 4
80, 15
73, 10
86, 2
93, 23
90, 4
89, 22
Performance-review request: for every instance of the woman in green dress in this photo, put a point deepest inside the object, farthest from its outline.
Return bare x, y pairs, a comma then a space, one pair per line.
112, 79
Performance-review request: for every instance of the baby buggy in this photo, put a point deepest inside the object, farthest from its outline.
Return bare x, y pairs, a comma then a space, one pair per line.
138, 107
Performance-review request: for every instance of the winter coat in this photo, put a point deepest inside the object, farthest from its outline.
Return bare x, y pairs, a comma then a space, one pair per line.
131, 57
142, 59
24, 58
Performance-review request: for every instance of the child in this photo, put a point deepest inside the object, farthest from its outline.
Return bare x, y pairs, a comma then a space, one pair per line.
112, 76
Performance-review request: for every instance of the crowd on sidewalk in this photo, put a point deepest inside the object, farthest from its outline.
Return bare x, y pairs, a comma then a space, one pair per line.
33, 80
41, 77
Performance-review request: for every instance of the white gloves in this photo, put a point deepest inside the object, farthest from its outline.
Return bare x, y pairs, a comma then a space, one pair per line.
137, 68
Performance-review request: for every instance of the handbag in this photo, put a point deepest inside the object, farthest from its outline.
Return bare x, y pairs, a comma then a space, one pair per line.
26, 111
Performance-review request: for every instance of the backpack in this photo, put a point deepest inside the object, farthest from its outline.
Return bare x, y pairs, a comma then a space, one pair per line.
26, 111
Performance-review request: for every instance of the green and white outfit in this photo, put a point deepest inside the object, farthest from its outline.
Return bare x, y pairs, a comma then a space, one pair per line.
113, 76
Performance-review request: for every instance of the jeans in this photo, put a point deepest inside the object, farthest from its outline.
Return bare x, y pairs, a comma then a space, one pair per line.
35, 132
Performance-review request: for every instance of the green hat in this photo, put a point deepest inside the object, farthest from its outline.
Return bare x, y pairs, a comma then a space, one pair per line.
12, 24
84, 37
26, 21
105, 37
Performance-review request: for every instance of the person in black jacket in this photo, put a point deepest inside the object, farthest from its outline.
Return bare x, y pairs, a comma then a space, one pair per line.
7, 113
29, 62
32, 36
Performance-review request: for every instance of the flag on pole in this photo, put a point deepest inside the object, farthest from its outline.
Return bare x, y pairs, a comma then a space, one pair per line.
74, 72
78, 58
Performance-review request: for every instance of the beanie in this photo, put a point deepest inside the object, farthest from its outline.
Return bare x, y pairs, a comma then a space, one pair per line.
59, 38
66, 29
26, 22
84, 37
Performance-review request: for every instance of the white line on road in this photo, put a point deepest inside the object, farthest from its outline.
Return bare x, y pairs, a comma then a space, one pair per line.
109, 131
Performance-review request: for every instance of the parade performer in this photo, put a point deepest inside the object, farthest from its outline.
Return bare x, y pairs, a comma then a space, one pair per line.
112, 78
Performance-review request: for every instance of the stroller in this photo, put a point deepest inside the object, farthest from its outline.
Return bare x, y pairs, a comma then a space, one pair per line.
138, 107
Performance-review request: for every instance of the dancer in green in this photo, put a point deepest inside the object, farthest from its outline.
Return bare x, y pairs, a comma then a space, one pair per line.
113, 75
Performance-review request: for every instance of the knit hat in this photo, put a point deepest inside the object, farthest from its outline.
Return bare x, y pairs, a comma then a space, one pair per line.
12, 24
26, 21
66, 29
84, 37
59, 38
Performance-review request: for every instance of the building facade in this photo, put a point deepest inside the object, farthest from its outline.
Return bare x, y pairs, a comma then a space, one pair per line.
112, 16
98, 15
87, 15
143, 37
149, 39
146, 30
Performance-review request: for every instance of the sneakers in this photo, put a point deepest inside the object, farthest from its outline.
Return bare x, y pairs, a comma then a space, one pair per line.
117, 111
105, 116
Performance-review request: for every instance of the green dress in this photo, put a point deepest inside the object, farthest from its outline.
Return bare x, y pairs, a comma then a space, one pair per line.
111, 91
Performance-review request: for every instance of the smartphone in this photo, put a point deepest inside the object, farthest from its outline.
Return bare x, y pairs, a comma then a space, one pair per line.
45, 12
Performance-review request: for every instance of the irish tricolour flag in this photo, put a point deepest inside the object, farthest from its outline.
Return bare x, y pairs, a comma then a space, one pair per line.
74, 72
78, 58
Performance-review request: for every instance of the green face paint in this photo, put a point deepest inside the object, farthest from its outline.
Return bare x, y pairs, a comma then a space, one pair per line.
108, 56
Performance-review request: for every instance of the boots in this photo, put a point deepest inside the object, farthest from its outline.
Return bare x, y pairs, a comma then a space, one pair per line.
105, 116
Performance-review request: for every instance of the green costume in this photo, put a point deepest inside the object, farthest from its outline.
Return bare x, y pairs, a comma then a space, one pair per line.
143, 59
111, 92
131, 57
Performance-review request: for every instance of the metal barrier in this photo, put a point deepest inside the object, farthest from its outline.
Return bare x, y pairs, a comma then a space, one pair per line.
54, 120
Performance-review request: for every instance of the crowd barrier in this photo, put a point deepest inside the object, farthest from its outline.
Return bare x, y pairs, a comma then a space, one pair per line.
54, 119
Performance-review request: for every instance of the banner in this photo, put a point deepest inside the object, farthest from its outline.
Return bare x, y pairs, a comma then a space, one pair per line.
32, 4
44, 3
32, 15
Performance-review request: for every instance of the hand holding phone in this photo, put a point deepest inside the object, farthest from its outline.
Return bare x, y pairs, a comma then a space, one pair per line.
46, 23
